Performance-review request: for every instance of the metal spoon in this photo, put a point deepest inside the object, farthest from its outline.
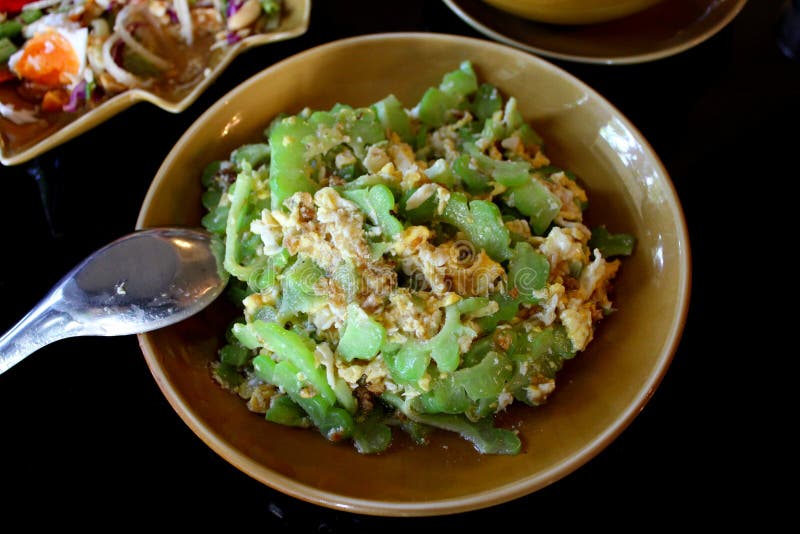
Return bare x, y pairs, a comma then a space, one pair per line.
141, 282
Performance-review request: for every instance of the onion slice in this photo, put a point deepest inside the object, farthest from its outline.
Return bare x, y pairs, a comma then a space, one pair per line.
136, 46
18, 116
118, 73
185, 19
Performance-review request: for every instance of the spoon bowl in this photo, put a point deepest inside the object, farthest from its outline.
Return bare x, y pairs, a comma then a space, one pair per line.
141, 282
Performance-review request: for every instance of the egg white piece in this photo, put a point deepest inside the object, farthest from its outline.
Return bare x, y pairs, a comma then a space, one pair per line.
76, 36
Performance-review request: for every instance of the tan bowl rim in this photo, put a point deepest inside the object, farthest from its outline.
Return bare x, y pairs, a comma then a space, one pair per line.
621, 60
445, 506
119, 103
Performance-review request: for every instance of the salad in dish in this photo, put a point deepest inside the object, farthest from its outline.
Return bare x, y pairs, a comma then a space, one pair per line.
417, 268
59, 58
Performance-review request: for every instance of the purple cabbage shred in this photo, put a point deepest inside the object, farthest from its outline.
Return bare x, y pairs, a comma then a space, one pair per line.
77, 98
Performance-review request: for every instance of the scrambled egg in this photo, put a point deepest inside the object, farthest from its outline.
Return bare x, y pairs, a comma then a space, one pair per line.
333, 232
451, 266
587, 297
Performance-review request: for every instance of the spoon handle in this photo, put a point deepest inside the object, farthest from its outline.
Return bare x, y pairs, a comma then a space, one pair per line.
41, 326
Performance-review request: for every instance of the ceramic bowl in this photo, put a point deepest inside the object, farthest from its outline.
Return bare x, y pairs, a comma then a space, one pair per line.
572, 11
666, 29
599, 392
293, 24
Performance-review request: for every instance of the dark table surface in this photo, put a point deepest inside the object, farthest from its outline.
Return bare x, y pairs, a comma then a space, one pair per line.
86, 432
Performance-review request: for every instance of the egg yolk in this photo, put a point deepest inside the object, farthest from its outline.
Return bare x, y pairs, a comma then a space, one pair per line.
48, 59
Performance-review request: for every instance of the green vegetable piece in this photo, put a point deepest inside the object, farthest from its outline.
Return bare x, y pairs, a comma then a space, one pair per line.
255, 155
482, 408
444, 346
418, 432
271, 7
528, 271
377, 203
267, 276
210, 198
240, 251
346, 275
9, 28
237, 291
333, 423
511, 116
440, 173
537, 202
289, 346
235, 224
480, 220
235, 355
455, 393
423, 213
540, 354
562, 345
288, 169
7, 49
445, 396
91, 86
268, 314
420, 143
371, 435
363, 336
368, 180
216, 219
508, 173
357, 127
210, 172
477, 351
393, 117
529, 137
487, 102
30, 15
493, 130
409, 363
297, 289
486, 379
264, 367
284, 411
135, 63
345, 395
611, 244
473, 180
482, 434
433, 109
322, 118
365, 128
228, 375
462, 82
508, 308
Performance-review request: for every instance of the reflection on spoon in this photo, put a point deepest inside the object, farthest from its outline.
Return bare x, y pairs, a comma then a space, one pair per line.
141, 282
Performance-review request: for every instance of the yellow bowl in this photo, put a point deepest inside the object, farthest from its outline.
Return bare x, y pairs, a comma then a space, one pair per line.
572, 11
293, 24
599, 392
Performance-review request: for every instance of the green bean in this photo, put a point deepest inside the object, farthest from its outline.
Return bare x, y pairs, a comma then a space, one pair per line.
9, 28
7, 49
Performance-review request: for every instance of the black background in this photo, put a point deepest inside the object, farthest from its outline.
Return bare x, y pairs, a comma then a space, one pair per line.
86, 435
